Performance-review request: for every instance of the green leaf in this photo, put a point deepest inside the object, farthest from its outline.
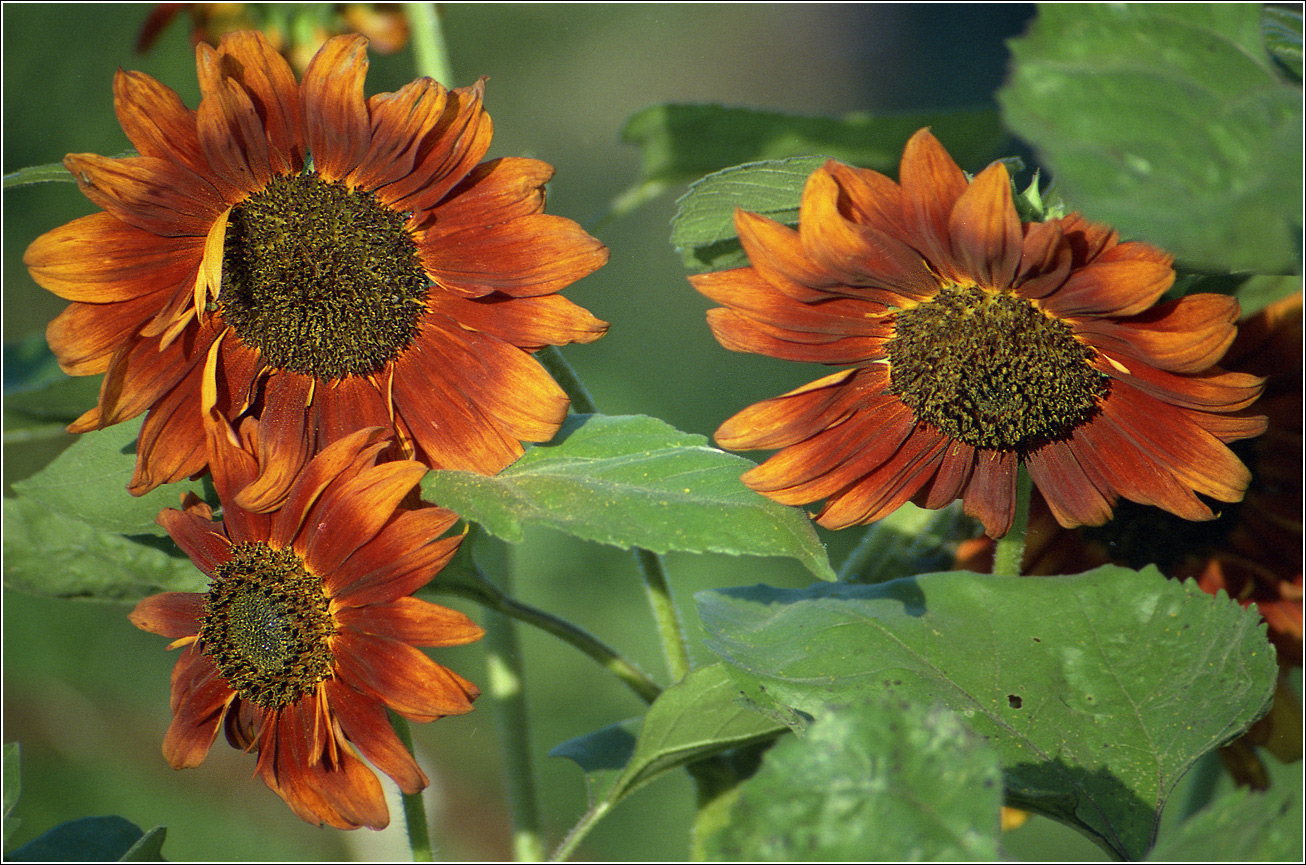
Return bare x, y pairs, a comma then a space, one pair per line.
601, 755
703, 229
88, 483
699, 716
1170, 123
881, 782
90, 839
632, 482
1240, 826
679, 143
1098, 691
1283, 37
12, 787
51, 554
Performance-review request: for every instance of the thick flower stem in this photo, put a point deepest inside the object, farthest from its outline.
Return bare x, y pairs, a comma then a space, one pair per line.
664, 611
432, 58
507, 691
419, 838
1009, 551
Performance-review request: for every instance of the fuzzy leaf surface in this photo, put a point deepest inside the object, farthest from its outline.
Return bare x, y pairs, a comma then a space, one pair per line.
1098, 690
882, 782
1170, 122
632, 481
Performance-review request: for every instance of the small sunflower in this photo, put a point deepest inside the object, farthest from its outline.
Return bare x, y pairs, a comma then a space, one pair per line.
307, 633
977, 343
322, 261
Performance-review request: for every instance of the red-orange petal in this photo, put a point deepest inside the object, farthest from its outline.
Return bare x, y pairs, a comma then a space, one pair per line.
523, 257
154, 195
931, 185
365, 723
412, 620
171, 614
334, 113
494, 191
402, 677
984, 229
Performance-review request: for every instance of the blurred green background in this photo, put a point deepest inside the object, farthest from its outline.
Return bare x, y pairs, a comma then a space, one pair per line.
86, 693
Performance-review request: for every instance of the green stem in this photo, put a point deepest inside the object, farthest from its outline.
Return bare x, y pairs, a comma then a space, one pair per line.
1009, 551
507, 691
419, 838
565, 376
664, 611
491, 597
579, 831
431, 55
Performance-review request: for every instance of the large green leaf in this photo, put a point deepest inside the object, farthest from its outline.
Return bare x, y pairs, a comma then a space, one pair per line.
1098, 690
679, 143
632, 482
881, 782
1240, 826
88, 483
1169, 122
699, 716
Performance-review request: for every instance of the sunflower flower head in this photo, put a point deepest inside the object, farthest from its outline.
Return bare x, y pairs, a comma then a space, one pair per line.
308, 631
318, 260
977, 343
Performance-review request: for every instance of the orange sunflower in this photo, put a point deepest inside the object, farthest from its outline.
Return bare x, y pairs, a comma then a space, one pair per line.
322, 261
977, 343
308, 631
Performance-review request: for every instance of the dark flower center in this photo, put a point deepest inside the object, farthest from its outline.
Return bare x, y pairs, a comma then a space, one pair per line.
991, 370
321, 279
265, 624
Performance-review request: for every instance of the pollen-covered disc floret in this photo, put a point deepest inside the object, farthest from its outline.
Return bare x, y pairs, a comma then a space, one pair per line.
989, 369
975, 343
321, 279
267, 624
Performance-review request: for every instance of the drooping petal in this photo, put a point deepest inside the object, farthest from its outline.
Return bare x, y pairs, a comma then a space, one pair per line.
364, 723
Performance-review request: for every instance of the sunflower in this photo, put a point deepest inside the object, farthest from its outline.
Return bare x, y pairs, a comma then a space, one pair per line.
322, 261
307, 632
976, 343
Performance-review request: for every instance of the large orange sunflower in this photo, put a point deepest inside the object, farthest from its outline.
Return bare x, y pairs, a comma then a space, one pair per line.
977, 343
339, 262
308, 631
